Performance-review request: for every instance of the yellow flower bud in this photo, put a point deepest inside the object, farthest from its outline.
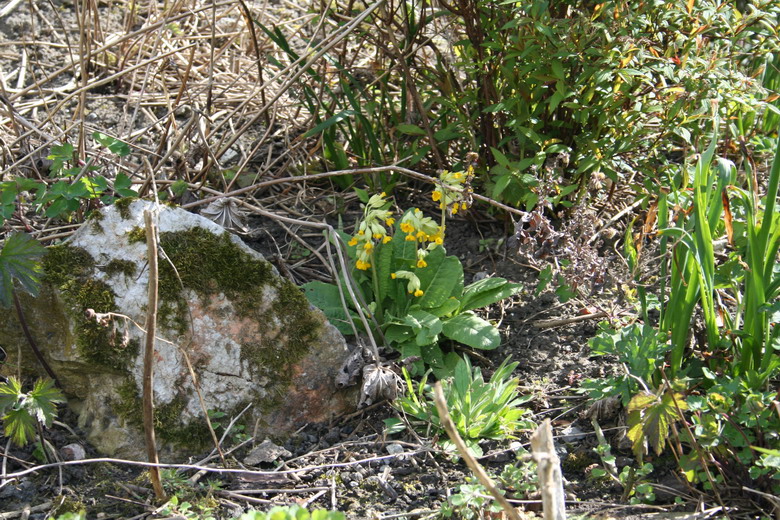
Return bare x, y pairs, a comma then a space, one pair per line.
387, 239
418, 293
421, 263
353, 242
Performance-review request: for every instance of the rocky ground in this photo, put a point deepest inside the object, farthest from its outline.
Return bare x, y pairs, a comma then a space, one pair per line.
351, 464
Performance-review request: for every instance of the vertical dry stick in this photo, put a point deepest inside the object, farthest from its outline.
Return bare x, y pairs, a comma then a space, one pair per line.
549, 469
471, 462
151, 326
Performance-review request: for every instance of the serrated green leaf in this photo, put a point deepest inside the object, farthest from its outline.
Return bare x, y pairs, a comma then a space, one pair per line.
650, 418
42, 400
19, 426
19, 261
10, 393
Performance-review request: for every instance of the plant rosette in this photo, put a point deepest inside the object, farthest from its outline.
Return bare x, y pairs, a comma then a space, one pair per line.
412, 288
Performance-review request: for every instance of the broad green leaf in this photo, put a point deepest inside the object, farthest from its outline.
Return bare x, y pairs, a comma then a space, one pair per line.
471, 330
394, 425
122, 186
442, 278
325, 296
448, 307
116, 146
398, 333
486, 292
410, 129
19, 261
425, 325
383, 260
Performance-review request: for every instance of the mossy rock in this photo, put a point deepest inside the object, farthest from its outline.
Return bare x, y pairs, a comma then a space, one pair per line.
249, 335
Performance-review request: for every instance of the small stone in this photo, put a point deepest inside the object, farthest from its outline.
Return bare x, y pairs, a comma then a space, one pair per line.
266, 451
394, 449
333, 435
73, 452
572, 434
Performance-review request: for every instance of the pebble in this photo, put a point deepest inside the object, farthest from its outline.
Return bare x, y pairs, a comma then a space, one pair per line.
394, 449
572, 434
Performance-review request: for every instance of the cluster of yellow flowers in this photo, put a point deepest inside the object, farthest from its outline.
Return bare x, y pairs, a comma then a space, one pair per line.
371, 231
454, 192
422, 229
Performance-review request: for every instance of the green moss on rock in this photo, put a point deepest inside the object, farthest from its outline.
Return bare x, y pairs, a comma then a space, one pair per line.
136, 235
210, 264
70, 270
123, 205
126, 267
168, 425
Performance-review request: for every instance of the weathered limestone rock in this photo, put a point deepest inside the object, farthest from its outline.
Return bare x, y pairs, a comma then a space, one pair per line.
250, 336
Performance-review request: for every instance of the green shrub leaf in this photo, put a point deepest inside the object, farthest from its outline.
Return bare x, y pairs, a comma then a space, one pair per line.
19, 261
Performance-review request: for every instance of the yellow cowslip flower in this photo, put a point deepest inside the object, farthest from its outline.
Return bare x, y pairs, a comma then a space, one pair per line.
360, 264
386, 239
368, 246
393, 276
390, 221
377, 236
406, 227
454, 209
421, 235
439, 241
418, 293
436, 195
410, 238
464, 206
421, 263
353, 242
360, 233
